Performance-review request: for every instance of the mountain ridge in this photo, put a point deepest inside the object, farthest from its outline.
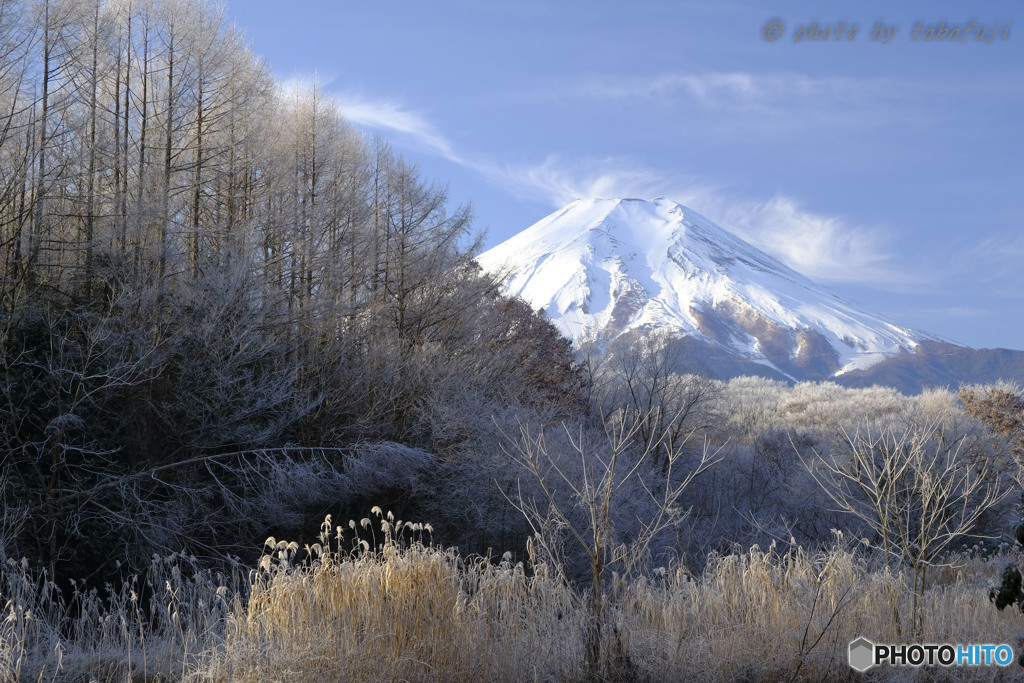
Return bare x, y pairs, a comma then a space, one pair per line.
604, 267
601, 268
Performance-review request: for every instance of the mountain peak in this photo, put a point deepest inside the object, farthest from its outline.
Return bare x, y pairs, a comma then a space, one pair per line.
601, 268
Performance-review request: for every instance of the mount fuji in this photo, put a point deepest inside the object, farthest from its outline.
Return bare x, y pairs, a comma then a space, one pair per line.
602, 268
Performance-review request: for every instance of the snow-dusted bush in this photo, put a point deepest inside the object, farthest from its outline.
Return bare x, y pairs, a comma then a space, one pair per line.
751, 406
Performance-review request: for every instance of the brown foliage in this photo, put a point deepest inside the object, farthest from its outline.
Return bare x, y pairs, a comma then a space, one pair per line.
543, 359
1000, 407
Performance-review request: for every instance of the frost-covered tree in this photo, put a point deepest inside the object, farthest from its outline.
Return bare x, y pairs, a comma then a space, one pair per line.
607, 495
646, 377
916, 489
195, 262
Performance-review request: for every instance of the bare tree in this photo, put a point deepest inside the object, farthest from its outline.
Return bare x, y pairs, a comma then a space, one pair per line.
648, 375
583, 485
17, 44
247, 271
916, 489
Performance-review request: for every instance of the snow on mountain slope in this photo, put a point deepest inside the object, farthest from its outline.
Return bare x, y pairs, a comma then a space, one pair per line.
603, 267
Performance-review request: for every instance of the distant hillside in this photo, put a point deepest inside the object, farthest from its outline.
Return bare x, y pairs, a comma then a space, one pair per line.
935, 364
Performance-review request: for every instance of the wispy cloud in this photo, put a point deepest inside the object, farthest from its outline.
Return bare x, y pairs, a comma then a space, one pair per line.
709, 88
822, 247
716, 88
392, 116
741, 101
995, 263
557, 181
414, 128
825, 248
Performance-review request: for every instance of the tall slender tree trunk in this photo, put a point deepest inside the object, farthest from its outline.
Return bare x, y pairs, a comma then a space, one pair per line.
39, 196
197, 179
90, 209
123, 200
143, 120
165, 198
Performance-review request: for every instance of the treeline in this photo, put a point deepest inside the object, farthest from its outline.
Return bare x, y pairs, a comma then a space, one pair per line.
225, 313
777, 463
218, 301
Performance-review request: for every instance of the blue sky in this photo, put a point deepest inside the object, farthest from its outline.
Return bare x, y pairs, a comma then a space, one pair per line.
892, 172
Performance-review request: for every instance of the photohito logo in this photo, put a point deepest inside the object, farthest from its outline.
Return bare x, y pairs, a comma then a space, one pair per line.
864, 654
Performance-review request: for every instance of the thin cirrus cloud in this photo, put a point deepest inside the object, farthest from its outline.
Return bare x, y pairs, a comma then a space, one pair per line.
709, 88
718, 89
746, 101
995, 260
821, 247
379, 114
557, 181
392, 116
778, 101
824, 248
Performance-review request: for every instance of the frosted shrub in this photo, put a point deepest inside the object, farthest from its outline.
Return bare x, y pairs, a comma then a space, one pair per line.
752, 405
755, 406
824, 407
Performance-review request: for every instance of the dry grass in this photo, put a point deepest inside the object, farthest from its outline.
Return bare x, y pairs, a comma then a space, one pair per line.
407, 610
109, 635
770, 616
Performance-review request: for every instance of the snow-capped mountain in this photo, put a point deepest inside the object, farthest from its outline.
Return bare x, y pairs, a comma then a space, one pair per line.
604, 267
